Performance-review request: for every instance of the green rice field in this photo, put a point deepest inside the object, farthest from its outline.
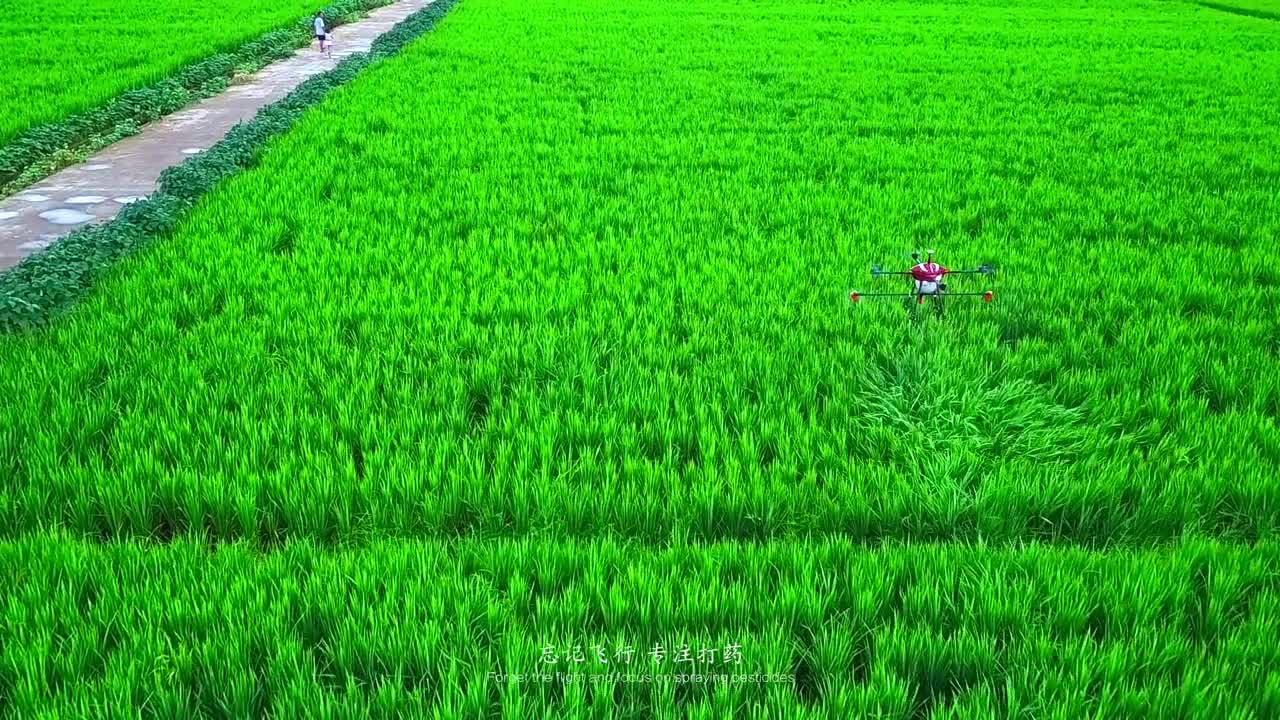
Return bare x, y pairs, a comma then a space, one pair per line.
471, 629
63, 58
534, 342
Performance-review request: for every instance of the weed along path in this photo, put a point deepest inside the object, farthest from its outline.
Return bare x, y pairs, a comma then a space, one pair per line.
96, 190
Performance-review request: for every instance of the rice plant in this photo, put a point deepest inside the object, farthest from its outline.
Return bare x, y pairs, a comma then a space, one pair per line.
538, 335
523, 628
592, 277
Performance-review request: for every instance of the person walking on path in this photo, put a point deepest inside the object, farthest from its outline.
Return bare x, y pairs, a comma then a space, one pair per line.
320, 30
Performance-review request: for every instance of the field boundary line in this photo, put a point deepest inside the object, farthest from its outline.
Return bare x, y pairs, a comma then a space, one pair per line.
171, 531
1242, 12
53, 279
452, 546
40, 151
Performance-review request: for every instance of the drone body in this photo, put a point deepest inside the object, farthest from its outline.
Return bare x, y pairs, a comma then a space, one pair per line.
926, 279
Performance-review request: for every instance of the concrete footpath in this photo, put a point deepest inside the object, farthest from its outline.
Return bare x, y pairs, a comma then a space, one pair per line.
95, 190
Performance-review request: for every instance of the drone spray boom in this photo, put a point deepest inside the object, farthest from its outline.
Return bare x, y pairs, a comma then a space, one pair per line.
987, 296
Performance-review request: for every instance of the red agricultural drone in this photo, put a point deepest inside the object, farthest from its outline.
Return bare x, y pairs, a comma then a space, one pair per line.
926, 279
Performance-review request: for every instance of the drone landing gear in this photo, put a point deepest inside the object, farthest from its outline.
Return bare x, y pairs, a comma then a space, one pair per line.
914, 302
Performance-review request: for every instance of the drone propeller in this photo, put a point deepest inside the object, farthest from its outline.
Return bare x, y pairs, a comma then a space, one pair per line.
877, 271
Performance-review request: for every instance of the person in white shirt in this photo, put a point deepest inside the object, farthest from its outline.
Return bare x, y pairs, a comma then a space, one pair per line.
320, 30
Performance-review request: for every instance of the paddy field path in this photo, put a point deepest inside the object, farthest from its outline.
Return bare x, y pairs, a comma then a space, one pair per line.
95, 190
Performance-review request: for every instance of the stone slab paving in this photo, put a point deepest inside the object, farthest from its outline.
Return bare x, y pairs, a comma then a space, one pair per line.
95, 190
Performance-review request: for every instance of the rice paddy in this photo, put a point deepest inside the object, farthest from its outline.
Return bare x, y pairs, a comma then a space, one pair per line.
527, 628
538, 335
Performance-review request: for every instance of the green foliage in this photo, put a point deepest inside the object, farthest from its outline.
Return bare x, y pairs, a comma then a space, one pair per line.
520, 280
120, 86
48, 282
537, 333
820, 631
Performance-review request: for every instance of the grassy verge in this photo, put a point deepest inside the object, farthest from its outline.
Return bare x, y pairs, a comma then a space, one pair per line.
43, 150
